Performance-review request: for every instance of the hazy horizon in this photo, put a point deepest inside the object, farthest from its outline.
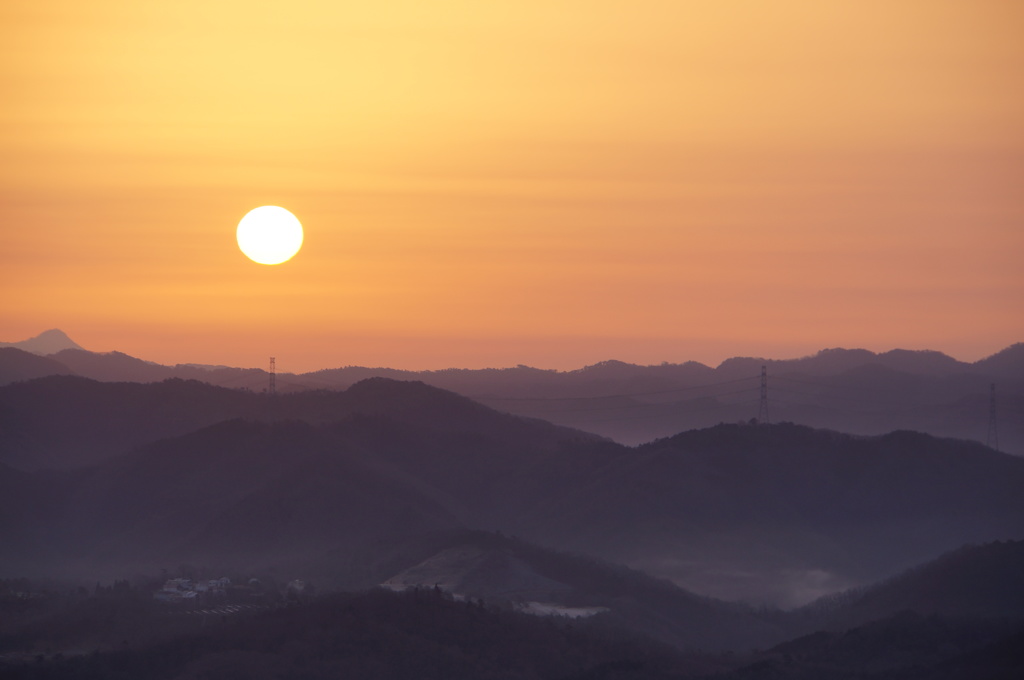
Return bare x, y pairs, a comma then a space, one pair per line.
288, 364
494, 185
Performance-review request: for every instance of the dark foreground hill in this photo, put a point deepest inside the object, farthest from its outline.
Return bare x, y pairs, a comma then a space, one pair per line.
426, 633
380, 635
906, 646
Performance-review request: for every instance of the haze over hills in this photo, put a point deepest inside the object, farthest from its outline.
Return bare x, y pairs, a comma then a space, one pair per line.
854, 391
409, 485
957, 617
778, 513
975, 582
972, 582
806, 511
915, 625
495, 568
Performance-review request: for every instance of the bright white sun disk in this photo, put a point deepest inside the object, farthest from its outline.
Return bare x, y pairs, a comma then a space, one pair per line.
269, 235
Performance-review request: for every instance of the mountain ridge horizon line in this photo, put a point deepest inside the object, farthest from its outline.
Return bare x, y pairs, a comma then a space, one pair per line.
56, 337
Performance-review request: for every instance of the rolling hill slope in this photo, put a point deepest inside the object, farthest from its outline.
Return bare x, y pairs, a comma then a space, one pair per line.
778, 513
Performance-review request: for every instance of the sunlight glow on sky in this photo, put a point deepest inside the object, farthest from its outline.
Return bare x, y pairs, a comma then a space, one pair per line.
489, 184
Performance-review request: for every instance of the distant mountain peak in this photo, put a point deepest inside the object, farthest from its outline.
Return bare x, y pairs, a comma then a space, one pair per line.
46, 343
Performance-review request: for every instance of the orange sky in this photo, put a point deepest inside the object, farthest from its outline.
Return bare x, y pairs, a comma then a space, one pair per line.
495, 183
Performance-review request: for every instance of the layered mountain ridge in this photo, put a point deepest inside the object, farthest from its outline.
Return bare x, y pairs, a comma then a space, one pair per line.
184, 471
408, 485
849, 390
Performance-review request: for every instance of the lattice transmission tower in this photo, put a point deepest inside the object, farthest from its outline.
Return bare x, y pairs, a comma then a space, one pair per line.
762, 409
272, 389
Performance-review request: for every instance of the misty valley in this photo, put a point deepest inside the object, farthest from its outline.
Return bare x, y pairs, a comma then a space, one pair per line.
613, 522
511, 340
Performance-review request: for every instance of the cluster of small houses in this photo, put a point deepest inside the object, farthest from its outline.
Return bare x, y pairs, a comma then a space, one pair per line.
177, 590
184, 589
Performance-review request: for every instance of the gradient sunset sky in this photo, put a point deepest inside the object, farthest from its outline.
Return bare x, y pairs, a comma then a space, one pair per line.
493, 183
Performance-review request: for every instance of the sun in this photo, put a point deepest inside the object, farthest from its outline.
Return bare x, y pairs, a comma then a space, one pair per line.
269, 235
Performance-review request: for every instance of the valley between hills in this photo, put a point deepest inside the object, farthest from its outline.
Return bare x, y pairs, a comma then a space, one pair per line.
730, 548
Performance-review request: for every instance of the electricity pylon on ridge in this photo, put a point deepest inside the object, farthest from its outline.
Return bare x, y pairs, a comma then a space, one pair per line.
272, 389
762, 409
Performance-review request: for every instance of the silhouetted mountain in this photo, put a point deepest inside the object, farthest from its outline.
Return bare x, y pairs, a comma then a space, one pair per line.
776, 513
427, 633
999, 660
47, 342
849, 390
135, 636
838, 360
71, 359
906, 646
396, 459
17, 365
118, 367
852, 390
972, 582
241, 494
112, 366
30, 506
524, 382
960, 616
380, 635
805, 511
498, 569
66, 422
1008, 363
382, 480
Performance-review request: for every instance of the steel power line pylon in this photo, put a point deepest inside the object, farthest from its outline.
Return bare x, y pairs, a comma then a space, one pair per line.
762, 409
272, 389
